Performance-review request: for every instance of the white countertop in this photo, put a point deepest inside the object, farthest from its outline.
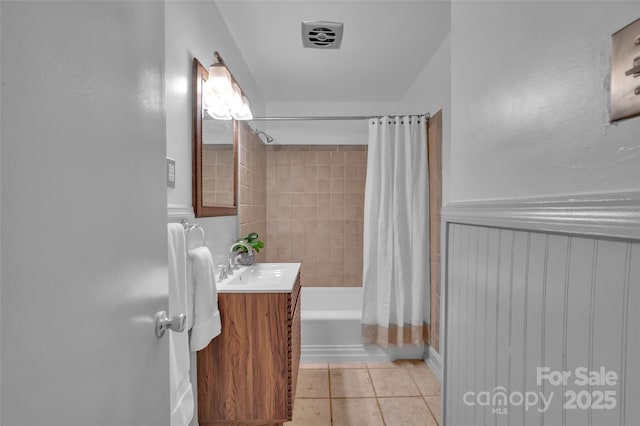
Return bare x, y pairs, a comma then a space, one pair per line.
261, 278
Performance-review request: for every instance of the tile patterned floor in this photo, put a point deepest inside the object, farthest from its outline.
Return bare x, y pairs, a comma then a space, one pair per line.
399, 393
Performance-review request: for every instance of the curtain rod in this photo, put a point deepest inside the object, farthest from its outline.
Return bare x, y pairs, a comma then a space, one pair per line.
328, 117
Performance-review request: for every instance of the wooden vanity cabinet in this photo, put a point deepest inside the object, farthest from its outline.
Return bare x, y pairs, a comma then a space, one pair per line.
247, 375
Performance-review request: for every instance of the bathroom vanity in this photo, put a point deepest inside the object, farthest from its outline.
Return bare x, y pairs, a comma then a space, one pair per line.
247, 375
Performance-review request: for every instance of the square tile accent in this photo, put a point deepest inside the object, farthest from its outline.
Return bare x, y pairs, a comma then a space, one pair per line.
351, 383
252, 186
313, 384
309, 184
393, 382
375, 394
406, 412
356, 412
427, 382
311, 412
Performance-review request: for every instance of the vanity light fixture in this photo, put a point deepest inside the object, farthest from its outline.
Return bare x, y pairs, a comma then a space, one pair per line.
223, 98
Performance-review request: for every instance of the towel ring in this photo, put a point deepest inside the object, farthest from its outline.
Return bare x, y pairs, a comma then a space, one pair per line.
188, 227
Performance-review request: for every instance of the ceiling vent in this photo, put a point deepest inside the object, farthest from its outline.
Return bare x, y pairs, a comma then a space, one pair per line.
322, 34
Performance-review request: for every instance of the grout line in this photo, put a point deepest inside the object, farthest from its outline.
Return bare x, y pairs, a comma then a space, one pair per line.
375, 393
404, 396
312, 397
376, 396
384, 422
365, 397
430, 411
415, 383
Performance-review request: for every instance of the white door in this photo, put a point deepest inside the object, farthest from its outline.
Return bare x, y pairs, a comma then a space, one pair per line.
83, 214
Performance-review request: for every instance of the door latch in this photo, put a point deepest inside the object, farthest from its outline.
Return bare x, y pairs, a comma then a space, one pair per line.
163, 323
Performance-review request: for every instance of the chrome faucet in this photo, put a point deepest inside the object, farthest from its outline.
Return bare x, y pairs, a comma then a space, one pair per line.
223, 272
232, 264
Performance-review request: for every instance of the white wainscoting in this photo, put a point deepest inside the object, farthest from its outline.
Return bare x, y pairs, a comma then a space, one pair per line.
178, 212
522, 292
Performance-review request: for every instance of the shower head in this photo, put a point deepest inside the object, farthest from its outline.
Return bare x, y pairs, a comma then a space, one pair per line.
267, 139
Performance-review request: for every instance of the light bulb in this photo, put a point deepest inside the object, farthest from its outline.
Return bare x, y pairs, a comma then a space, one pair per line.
243, 112
220, 79
219, 114
235, 100
217, 109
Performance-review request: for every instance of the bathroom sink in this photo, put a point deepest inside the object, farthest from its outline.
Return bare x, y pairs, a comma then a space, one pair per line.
261, 278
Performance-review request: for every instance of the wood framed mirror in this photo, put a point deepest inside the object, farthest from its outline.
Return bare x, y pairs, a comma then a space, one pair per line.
215, 157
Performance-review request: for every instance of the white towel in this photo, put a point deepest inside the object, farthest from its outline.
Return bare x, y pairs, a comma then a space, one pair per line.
206, 316
182, 404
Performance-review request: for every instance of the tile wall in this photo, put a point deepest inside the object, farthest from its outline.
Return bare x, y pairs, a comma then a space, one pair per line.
217, 162
252, 187
315, 210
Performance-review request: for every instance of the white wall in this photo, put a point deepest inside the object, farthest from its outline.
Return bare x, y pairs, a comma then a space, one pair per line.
529, 98
529, 95
427, 94
430, 93
196, 29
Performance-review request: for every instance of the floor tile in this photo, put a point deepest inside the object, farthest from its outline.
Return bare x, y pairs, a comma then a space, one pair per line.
313, 384
427, 382
350, 383
406, 412
346, 365
314, 366
434, 405
311, 412
356, 412
393, 382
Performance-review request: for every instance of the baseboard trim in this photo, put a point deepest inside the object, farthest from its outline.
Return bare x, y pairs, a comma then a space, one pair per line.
358, 353
434, 361
615, 215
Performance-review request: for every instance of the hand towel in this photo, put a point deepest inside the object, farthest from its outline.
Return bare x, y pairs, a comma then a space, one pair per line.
206, 316
182, 404
190, 297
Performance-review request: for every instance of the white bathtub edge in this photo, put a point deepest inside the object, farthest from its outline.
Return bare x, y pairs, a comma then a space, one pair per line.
434, 361
358, 353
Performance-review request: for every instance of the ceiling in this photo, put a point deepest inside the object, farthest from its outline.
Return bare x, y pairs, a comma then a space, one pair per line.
385, 46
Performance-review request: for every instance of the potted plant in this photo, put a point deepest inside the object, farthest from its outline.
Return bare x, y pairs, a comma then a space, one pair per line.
245, 257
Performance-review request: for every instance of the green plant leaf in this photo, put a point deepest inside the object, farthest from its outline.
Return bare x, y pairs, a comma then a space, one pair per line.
252, 240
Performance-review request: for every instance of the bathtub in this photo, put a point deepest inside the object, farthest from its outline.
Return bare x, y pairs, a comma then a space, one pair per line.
331, 329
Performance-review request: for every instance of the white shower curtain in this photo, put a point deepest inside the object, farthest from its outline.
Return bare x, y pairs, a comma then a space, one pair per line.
396, 233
